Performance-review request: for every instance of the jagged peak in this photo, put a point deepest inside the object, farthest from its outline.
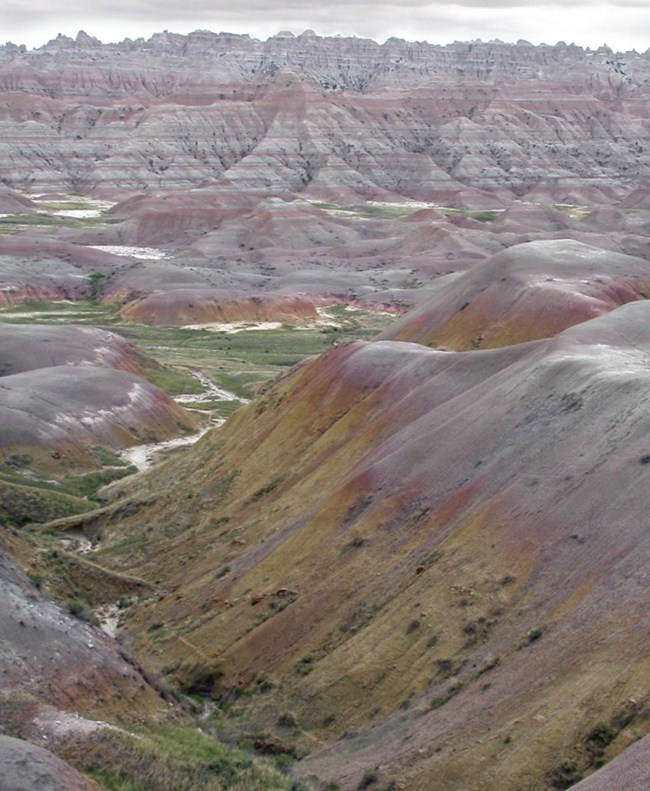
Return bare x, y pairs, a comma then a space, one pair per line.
167, 37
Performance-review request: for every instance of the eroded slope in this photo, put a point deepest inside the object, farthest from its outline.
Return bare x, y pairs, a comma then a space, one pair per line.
443, 551
526, 292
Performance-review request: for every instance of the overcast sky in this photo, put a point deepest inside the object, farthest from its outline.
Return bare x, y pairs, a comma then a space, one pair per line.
622, 24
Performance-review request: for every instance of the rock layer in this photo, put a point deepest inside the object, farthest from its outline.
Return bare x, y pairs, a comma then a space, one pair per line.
291, 114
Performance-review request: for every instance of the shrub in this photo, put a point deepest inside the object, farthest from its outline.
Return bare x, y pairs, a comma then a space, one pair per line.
287, 720
202, 680
263, 684
433, 557
534, 634
563, 776
267, 489
79, 609
597, 741
304, 665
36, 579
369, 777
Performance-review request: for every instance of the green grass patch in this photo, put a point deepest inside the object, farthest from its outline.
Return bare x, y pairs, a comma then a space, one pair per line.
172, 758
572, 210
21, 504
174, 381
108, 457
267, 489
369, 211
429, 559
42, 312
19, 222
385, 212
482, 215
81, 204
88, 484
304, 665
238, 362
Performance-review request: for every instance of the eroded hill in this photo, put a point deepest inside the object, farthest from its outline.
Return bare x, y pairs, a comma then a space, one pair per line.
410, 561
434, 558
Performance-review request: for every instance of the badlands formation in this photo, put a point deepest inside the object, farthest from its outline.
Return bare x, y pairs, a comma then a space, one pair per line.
415, 562
323, 167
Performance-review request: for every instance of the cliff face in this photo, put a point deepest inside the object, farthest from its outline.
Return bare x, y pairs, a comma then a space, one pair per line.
336, 63
297, 113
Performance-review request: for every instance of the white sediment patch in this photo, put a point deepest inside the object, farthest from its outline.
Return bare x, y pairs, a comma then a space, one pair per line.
79, 543
108, 616
230, 328
406, 204
416, 205
145, 253
53, 723
79, 213
144, 456
51, 315
354, 308
212, 392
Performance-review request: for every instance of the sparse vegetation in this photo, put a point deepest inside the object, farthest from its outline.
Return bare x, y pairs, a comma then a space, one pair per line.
18, 222
370, 776
597, 741
267, 489
171, 758
36, 578
534, 635
445, 666
287, 719
88, 484
305, 665
80, 610
564, 776
429, 559
202, 680
592, 751
21, 504
263, 684
97, 285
